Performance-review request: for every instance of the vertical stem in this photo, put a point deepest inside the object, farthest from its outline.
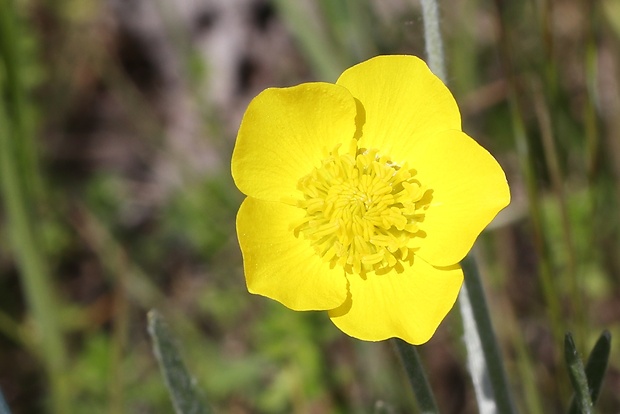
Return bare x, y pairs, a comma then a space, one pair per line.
37, 286
475, 356
17, 108
474, 303
417, 378
432, 38
18, 186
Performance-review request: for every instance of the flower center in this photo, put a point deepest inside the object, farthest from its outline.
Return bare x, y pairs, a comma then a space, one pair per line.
362, 210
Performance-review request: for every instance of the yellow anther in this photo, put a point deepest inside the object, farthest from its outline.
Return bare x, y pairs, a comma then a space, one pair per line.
361, 210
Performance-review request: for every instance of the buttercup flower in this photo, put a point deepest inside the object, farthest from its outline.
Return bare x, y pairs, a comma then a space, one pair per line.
362, 198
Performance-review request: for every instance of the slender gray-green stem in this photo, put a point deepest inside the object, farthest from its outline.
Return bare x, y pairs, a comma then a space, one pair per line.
484, 355
432, 38
417, 377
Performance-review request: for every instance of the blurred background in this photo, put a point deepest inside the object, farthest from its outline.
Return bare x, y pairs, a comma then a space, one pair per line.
117, 122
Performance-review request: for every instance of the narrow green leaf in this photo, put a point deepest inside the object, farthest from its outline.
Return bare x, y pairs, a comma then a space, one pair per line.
417, 377
597, 364
577, 376
595, 369
180, 384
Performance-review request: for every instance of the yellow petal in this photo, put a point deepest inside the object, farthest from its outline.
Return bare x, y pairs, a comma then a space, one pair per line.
401, 98
408, 305
469, 189
282, 267
285, 132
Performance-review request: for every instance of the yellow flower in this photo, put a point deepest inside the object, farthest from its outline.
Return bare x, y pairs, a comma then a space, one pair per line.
362, 198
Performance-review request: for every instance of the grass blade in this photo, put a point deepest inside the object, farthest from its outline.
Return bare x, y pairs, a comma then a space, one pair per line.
577, 376
38, 287
595, 369
185, 397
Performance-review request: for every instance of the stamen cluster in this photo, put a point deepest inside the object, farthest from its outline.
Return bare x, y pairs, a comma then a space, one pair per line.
362, 210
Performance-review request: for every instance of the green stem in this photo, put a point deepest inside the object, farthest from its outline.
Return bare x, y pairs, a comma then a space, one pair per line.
17, 108
488, 364
37, 286
17, 187
417, 378
432, 38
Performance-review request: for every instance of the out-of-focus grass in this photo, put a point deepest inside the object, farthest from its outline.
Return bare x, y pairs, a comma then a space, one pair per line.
537, 86
21, 194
